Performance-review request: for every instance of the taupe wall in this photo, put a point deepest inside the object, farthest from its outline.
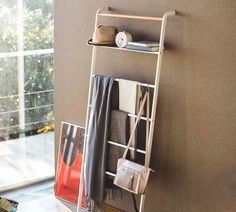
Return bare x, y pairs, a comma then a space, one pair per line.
194, 149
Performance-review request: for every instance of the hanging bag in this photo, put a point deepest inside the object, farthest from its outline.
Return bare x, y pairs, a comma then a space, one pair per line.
132, 176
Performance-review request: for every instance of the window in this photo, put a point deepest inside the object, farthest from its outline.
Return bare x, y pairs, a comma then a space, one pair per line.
26, 67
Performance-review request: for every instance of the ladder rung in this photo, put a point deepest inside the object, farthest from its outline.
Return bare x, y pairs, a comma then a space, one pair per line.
146, 18
110, 174
142, 117
135, 116
139, 83
124, 146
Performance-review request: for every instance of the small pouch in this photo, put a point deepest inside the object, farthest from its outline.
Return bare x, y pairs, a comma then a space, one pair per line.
126, 178
131, 176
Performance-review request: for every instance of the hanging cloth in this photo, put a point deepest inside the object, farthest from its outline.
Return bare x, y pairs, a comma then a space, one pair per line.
95, 159
118, 132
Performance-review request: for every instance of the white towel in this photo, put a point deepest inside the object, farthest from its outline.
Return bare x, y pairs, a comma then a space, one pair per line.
127, 95
129, 100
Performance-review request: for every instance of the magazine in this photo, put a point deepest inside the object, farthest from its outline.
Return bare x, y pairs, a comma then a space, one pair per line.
70, 163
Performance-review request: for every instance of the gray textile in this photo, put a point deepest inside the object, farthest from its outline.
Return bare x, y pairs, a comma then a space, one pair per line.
97, 138
118, 133
118, 126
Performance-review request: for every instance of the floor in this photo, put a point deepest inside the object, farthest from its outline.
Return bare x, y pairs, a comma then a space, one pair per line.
38, 198
26, 160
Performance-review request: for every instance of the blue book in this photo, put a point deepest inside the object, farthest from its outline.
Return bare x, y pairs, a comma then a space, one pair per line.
141, 48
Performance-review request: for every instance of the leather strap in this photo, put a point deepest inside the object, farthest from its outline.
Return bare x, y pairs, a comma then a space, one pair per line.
146, 97
147, 147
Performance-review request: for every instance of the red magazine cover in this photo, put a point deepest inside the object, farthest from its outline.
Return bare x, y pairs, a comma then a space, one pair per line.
69, 163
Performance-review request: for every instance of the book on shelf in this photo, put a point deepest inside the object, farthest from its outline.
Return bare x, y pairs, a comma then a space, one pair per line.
144, 43
141, 48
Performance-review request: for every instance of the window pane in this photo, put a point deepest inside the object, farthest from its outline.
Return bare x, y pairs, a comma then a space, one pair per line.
7, 120
37, 118
8, 76
8, 29
38, 78
38, 72
26, 91
39, 99
8, 101
38, 24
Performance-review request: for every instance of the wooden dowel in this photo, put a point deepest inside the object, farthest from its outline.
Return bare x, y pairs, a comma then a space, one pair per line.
147, 18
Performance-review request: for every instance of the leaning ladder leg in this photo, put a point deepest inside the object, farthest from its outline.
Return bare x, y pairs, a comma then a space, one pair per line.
94, 56
155, 96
